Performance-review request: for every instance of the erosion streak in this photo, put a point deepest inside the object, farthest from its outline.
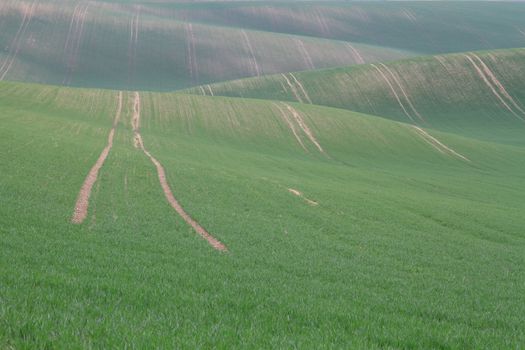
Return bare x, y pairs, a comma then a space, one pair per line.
485, 79
357, 56
135, 122
82, 204
301, 87
75, 40
191, 54
290, 125
208, 86
498, 84
304, 53
293, 88
254, 64
403, 91
393, 91
302, 124
441, 147
15, 44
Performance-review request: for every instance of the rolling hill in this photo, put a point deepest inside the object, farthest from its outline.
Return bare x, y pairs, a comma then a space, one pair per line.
168, 46
336, 227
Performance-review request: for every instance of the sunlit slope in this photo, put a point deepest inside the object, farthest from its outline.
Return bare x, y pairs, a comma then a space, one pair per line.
133, 46
418, 26
479, 94
389, 240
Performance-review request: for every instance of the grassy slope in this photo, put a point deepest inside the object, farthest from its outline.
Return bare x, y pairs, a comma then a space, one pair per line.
407, 247
446, 91
101, 50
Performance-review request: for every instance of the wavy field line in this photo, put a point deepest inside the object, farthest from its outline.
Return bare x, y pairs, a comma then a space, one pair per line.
135, 122
301, 87
15, 44
74, 41
254, 64
385, 78
438, 145
355, 54
293, 88
191, 57
290, 125
304, 53
82, 203
302, 124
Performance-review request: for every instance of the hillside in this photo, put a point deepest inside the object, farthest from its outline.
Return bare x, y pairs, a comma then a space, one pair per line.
335, 227
167, 46
481, 94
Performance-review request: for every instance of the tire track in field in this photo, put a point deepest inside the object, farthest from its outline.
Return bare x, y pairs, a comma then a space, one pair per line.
254, 65
300, 194
15, 43
82, 203
304, 53
191, 57
385, 78
290, 124
304, 126
396, 80
292, 88
487, 82
438, 145
498, 84
74, 40
133, 44
301, 87
355, 54
135, 122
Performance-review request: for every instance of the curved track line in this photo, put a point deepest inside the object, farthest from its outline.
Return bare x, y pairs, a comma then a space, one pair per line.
293, 88
304, 53
355, 54
75, 41
393, 91
299, 194
438, 145
301, 87
135, 122
403, 92
254, 64
482, 75
498, 83
82, 204
302, 124
191, 56
208, 86
290, 125
28, 15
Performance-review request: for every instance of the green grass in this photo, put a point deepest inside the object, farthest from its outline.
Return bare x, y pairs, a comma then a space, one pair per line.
408, 247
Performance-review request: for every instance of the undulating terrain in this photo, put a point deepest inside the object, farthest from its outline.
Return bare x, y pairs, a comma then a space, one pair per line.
362, 187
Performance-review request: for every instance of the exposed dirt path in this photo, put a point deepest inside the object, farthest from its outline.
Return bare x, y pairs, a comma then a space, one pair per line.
385, 78
304, 53
498, 84
15, 44
405, 95
438, 145
82, 204
302, 124
135, 122
254, 64
301, 87
292, 88
299, 194
487, 82
290, 125
191, 56
355, 54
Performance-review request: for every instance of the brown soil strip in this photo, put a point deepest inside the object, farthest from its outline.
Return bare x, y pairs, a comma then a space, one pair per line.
301, 87
302, 124
15, 44
355, 54
254, 64
393, 91
135, 122
292, 88
191, 53
304, 53
290, 125
299, 194
396, 80
498, 83
82, 204
482, 75
438, 145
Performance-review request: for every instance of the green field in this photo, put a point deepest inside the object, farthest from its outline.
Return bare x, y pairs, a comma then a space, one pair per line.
359, 207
